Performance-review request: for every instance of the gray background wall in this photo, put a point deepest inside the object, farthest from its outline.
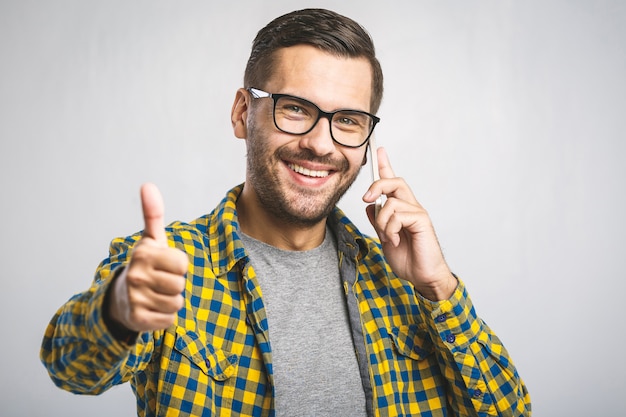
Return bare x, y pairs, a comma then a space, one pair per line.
506, 117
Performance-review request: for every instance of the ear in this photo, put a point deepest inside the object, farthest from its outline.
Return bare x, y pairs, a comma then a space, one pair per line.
239, 114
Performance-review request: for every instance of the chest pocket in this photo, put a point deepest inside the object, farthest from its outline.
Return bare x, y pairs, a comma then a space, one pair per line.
196, 377
411, 342
215, 363
415, 372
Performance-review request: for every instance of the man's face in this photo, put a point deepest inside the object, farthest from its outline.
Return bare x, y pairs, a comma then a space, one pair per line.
300, 178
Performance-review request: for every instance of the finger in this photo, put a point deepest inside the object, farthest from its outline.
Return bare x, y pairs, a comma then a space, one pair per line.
170, 260
158, 303
394, 225
160, 269
146, 320
395, 216
152, 207
379, 223
384, 166
382, 186
393, 188
165, 283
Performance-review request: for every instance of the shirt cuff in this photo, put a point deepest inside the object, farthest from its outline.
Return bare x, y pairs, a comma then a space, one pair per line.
97, 329
454, 319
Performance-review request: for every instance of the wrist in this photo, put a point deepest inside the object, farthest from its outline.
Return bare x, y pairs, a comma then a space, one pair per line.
120, 332
440, 289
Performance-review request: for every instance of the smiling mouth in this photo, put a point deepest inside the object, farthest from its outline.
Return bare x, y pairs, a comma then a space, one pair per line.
308, 172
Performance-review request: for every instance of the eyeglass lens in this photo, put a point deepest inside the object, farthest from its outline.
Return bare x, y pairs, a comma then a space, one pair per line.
297, 116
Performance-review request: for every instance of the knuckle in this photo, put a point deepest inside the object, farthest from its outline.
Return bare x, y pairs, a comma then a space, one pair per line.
141, 252
174, 304
182, 261
137, 319
180, 284
134, 303
135, 277
171, 319
180, 302
164, 321
141, 258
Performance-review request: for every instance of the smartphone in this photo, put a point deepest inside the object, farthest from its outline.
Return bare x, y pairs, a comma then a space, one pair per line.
375, 173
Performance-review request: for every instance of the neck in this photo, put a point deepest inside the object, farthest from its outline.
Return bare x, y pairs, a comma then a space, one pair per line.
257, 222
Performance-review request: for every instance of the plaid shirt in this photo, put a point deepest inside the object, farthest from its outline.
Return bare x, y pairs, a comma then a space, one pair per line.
420, 358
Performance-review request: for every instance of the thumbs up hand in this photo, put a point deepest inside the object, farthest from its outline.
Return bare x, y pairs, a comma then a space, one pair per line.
147, 295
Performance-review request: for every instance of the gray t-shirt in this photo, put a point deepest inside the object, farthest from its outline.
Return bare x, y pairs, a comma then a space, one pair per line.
315, 366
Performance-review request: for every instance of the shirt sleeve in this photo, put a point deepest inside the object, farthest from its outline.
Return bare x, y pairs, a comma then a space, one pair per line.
482, 378
79, 351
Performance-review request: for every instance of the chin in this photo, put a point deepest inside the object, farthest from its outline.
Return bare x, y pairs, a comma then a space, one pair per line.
303, 210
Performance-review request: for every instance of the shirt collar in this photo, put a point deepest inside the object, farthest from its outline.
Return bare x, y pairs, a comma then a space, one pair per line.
226, 247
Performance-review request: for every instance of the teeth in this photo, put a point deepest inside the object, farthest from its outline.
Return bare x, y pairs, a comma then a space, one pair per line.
308, 172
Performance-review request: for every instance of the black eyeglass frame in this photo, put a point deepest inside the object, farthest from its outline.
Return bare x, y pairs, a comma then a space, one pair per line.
257, 93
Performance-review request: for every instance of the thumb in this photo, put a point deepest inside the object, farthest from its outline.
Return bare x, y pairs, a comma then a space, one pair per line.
152, 207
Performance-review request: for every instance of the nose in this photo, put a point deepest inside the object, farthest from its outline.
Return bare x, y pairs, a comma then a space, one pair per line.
319, 139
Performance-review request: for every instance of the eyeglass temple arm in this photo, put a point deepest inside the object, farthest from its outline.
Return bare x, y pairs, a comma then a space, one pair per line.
256, 93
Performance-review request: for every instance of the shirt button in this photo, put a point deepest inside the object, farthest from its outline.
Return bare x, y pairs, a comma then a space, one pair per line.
441, 318
450, 338
477, 393
248, 320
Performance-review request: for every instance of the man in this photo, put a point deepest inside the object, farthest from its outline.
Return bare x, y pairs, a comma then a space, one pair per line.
274, 303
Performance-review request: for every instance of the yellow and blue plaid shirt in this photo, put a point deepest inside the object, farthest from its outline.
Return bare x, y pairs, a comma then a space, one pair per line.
422, 358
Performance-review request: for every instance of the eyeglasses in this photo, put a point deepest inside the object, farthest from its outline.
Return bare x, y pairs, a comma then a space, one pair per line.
297, 116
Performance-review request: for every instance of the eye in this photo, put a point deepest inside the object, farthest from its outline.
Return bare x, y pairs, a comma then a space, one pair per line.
293, 108
347, 121
351, 120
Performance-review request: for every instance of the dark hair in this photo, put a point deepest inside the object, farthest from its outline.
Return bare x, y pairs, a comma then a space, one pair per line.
323, 29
